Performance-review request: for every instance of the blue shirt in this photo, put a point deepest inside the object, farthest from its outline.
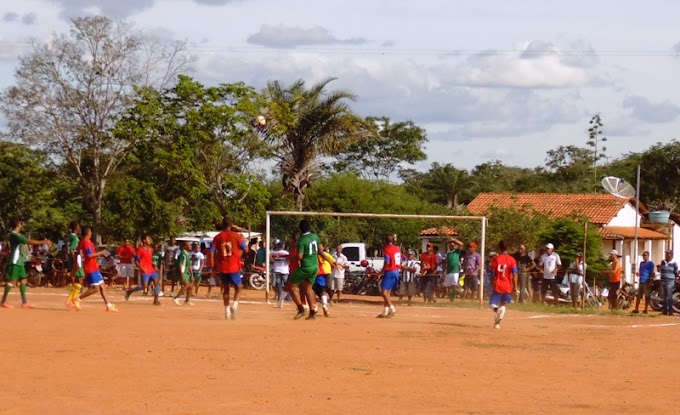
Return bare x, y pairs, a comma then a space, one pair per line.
646, 270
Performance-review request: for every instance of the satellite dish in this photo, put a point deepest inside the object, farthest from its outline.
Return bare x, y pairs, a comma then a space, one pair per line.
618, 187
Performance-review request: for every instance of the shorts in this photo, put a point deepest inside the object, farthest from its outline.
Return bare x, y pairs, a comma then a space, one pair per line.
95, 279
170, 276
186, 278
79, 274
233, 278
319, 290
301, 275
148, 277
337, 284
126, 270
15, 273
212, 282
535, 284
407, 288
646, 289
575, 279
451, 279
321, 280
197, 276
389, 281
499, 299
552, 284
472, 282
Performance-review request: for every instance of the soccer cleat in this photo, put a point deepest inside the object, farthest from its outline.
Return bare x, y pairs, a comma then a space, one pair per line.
5, 305
391, 314
311, 316
111, 308
127, 295
381, 315
76, 304
27, 305
500, 313
69, 304
497, 326
233, 313
227, 313
189, 303
176, 301
325, 311
299, 315
157, 303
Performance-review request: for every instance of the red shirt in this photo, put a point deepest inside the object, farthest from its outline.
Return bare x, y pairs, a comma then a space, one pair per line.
392, 258
228, 247
503, 266
208, 257
293, 260
145, 259
86, 248
126, 254
428, 262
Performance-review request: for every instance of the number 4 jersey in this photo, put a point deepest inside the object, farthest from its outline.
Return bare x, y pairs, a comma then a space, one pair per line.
503, 267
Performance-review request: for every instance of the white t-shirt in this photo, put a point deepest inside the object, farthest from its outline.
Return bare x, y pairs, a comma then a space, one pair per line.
577, 278
280, 263
197, 260
550, 264
341, 261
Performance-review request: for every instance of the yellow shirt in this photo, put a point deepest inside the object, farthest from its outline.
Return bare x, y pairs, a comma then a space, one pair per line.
326, 263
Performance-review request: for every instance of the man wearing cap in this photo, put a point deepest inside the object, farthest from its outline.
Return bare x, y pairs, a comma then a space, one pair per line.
453, 260
668, 269
551, 262
279, 256
576, 271
614, 278
472, 263
646, 275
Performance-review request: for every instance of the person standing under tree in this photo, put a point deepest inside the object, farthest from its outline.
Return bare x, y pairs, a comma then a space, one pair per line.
390, 276
614, 279
75, 262
279, 257
504, 269
668, 270
428, 264
338, 273
551, 262
472, 265
525, 265
170, 254
184, 274
197, 263
229, 246
305, 275
453, 260
646, 275
15, 265
94, 278
576, 272
126, 267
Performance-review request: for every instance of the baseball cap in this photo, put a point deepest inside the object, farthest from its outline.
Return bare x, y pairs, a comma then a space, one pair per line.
473, 244
669, 251
492, 253
411, 252
429, 244
614, 252
579, 254
550, 246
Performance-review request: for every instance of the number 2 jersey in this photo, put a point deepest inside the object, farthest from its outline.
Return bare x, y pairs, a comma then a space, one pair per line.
503, 266
228, 246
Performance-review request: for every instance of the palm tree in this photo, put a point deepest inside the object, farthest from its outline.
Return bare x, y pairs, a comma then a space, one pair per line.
306, 125
450, 184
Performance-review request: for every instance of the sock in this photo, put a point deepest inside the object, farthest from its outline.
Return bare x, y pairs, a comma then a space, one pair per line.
134, 290
22, 290
234, 304
227, 310
392, 309
109, 305
324, 299
301, 309
386, 311
8, 288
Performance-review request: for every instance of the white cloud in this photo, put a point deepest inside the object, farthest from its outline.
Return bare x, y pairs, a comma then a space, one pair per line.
292, 36
10, 16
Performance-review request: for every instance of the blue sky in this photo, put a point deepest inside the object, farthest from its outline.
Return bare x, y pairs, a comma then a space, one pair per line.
488, 79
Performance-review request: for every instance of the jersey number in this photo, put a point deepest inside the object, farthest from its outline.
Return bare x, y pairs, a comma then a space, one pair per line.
313, 249
227, 249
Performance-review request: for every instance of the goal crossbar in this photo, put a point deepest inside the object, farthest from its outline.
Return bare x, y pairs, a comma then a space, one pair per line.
271, 213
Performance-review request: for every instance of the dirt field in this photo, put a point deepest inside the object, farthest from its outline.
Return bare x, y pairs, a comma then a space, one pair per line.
428, 360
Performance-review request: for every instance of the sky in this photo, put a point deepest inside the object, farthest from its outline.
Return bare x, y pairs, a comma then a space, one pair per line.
487, 79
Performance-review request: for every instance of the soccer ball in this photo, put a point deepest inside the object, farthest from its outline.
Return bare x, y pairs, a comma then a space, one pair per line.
261, 121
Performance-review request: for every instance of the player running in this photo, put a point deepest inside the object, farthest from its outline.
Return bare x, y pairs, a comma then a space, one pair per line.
147, 269
390, 276
94, 279
504, 273
305, 275
15, 265
75, 262
184, 274
228, 248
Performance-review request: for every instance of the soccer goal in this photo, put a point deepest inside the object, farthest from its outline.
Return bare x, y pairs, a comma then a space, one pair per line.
286, 223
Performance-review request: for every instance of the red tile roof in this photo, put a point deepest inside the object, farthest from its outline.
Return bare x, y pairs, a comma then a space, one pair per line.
599, 208
444, 230
628, 232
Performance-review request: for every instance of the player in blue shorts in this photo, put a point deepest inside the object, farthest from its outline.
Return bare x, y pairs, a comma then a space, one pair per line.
147, 270
93, 278
390, 276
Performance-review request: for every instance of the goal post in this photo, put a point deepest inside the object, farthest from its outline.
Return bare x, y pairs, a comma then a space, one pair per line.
269, 214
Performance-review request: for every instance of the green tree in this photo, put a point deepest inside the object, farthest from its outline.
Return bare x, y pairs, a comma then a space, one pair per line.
72, 90
311, 123
442, 183
385, 149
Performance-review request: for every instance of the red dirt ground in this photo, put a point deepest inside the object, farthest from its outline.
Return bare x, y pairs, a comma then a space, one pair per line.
428, 360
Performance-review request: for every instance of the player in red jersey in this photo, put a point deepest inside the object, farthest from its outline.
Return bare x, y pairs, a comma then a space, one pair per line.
390, 276
93, 277
228, 247
504, 273
147, 270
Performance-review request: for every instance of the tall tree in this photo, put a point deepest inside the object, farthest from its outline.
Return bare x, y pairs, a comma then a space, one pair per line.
442, 183
71, 91
387, 146
312, 123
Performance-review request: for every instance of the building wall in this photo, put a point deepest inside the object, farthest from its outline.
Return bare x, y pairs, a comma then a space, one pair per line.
625, 217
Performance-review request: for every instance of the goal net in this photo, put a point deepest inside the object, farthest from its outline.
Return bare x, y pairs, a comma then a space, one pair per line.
370, 229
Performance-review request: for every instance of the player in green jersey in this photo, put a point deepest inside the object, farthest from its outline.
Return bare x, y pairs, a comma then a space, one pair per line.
15, 265
183, 271
75, 263
304, 276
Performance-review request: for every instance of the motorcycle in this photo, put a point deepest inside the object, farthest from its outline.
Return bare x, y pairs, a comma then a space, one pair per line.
35, 273
256, 278
656, 301
626, 297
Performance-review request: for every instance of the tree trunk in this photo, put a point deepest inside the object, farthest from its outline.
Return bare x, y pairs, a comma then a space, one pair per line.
299, 197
